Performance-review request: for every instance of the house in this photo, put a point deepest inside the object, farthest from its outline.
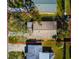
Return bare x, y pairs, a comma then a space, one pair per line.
44, 30
48, 55
34, 50
47, 28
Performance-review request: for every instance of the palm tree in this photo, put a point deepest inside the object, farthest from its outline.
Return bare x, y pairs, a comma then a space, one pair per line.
60, 10
62, 23
68, 6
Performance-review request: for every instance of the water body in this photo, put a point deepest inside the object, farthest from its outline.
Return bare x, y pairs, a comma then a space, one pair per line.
44, 1
46, 7
42, 5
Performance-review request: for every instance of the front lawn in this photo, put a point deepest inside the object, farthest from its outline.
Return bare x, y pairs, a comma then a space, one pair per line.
58, 50
16, 39
15, 55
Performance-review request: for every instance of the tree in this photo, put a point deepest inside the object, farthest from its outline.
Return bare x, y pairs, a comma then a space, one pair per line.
15, 3
60, 10
18, 21
12, 39
16, 55
68, 6
62, 23
32, 10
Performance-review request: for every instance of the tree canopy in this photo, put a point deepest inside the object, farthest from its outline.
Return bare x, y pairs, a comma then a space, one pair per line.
17, 21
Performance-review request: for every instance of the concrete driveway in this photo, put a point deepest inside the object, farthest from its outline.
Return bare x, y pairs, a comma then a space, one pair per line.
16, 47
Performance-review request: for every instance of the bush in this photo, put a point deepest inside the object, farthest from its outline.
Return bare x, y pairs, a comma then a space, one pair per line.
15, 3
16, 39
16, 55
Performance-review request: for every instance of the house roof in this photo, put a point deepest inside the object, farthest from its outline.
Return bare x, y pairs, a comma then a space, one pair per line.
33, 42
45, 25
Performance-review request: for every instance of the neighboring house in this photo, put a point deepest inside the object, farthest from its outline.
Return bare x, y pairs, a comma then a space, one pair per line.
37, 51
44, 30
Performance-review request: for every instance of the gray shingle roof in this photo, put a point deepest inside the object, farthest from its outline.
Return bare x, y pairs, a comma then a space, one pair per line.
45, 25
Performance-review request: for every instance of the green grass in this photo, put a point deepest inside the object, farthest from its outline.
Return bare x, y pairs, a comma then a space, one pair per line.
57, 50
16, 39
67, 51
44, 15
68, 7
16, 55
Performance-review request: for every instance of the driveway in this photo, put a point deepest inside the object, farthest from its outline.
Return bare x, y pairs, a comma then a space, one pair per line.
16, 47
